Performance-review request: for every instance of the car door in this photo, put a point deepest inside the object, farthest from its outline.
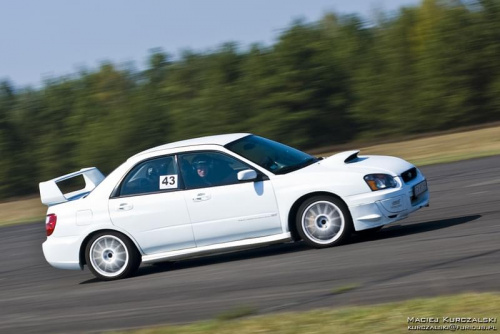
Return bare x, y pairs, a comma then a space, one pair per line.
223, 209
149, 204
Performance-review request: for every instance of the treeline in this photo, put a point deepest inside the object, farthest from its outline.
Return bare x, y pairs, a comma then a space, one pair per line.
427, 68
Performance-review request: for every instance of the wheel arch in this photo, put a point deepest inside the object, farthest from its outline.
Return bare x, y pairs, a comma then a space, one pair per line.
295, 207
83, 245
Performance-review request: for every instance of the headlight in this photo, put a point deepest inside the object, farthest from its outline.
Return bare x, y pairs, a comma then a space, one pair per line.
380, 181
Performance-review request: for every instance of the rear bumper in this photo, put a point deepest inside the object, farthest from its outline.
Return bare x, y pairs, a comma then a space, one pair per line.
384, 207
62, 252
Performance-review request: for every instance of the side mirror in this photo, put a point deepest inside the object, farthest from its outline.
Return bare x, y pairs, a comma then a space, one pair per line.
247, 174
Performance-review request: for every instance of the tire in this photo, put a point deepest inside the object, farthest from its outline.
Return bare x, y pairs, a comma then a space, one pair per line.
111, 256
323, 221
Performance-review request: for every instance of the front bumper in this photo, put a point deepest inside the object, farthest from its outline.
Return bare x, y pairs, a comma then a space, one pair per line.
62, 252
383, 207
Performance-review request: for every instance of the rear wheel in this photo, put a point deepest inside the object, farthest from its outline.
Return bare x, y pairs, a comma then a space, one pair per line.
111, 256
323, 221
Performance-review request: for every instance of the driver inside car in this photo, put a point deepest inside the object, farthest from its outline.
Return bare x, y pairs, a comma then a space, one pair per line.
203, 167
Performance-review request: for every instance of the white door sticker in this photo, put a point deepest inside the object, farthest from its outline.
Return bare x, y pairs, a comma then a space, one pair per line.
168, 181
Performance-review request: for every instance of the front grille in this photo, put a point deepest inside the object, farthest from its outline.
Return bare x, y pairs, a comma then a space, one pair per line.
409, 175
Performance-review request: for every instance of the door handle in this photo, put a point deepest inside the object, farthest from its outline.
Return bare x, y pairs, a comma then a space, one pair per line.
125, 207
201, 197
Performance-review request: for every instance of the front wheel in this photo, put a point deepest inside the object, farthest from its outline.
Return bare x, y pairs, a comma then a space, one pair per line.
323, 221
111, 256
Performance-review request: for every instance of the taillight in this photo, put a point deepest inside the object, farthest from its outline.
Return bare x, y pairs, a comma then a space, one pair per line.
50, 223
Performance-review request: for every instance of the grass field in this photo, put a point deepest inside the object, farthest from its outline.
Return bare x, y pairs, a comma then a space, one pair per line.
422, 151
22, 210
443, 148
385, 318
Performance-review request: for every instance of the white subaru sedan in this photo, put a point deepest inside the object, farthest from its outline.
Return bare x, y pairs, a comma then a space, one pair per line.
220, 193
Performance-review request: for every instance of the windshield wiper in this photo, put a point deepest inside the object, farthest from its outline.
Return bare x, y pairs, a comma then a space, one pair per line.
288, 169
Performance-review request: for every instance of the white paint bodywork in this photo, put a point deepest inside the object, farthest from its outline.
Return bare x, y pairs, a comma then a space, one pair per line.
185, 223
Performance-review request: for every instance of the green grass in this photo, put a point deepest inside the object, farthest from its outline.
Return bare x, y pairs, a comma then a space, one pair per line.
384, 318
422, 151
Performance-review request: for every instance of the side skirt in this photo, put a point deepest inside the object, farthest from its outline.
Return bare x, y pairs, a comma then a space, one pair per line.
217, 248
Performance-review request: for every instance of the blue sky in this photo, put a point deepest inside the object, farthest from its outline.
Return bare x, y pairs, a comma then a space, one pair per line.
50, 38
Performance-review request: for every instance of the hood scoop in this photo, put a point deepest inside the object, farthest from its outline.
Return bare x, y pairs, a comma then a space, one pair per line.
342, 157
352, 156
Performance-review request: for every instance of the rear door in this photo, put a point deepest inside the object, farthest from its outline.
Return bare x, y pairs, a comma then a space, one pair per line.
150, 206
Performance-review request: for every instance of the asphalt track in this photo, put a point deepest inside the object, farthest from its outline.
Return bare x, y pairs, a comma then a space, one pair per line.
451, 247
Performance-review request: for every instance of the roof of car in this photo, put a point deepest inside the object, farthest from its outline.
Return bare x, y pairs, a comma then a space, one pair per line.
208, 140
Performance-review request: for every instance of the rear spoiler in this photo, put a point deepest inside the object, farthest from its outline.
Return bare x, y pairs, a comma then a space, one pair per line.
51, 194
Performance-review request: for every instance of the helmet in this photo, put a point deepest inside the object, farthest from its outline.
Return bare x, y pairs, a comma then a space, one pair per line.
202, 164
202, 159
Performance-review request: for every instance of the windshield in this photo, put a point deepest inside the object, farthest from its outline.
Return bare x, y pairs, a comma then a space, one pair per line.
273, 156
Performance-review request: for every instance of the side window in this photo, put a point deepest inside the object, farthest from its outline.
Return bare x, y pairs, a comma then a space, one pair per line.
151, 176
209, 169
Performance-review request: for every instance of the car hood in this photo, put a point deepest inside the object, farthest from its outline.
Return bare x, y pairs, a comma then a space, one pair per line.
350, 161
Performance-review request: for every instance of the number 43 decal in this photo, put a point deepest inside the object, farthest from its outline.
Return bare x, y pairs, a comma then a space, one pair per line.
168, 181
